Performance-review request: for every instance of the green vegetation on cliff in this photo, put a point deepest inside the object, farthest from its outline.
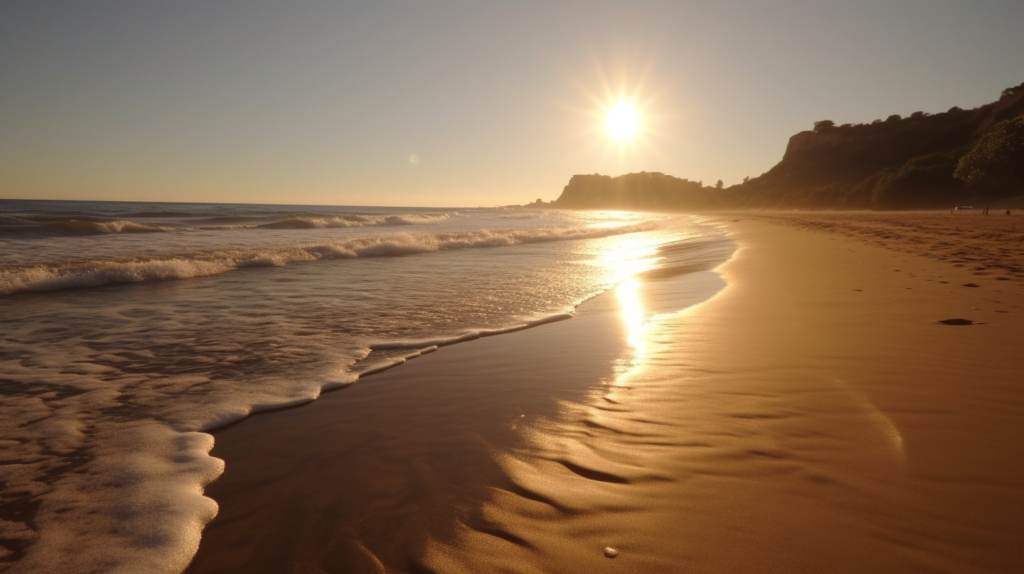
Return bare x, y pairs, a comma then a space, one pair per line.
922, 161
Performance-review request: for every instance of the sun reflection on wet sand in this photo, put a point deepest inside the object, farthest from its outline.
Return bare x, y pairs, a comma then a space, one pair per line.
632, 313
703, 420
633, 316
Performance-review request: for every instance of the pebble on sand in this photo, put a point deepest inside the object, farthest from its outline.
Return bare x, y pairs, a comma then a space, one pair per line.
610, 552
956, 322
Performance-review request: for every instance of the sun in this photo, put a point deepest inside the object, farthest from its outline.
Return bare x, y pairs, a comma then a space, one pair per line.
623, 122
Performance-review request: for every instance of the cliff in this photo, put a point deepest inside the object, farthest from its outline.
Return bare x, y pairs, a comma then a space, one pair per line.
634, 191
921, 161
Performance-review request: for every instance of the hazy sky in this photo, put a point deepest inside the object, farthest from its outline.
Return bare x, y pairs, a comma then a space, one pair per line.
500, 102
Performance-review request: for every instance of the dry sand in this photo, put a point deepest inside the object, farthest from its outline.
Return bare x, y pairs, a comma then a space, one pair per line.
986, 245
814, 416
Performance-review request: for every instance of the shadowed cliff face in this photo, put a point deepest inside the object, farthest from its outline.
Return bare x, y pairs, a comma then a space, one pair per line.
894, 163
635, 191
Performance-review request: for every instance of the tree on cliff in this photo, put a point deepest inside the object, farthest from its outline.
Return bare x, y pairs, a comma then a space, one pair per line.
924, 181
1011, 91
822, 125
720, 184
997, 158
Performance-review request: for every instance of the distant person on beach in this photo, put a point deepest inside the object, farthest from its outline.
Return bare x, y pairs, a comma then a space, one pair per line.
1007, 212
985, 212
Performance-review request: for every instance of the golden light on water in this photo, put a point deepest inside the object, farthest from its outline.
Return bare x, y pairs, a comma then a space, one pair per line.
608, 224
626, 260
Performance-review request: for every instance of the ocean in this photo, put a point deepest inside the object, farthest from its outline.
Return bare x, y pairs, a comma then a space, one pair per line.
130, 330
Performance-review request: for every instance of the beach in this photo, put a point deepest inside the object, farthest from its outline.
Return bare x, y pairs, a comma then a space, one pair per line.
135, 330
815, 414
511, 288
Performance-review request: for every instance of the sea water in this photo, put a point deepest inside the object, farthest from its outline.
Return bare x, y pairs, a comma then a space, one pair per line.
128, 330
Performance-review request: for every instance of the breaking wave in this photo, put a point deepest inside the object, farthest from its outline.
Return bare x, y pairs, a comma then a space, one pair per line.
90, 225
72, 226
355, 221
50, 277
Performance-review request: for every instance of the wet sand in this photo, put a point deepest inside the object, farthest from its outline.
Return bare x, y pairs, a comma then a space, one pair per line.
813, 416
366, 475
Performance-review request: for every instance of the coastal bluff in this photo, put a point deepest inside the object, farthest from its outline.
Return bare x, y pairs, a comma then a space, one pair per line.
923, 161
636, 191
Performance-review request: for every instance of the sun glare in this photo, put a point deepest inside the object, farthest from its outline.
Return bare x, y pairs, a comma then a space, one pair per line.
623, 122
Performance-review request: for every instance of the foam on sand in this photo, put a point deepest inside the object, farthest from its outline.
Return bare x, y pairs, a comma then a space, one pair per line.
434, 343
150, 521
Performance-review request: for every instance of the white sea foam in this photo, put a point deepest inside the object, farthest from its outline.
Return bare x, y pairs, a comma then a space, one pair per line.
141, 494
100, 227
434, 343
356, 221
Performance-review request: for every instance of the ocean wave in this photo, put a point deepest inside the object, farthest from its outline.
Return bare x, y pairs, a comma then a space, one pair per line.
79, 225
76, 226
163, 214
82, 227
90, 225
51, 277
355, 221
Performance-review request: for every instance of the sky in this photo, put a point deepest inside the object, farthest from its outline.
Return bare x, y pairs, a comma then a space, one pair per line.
448, 103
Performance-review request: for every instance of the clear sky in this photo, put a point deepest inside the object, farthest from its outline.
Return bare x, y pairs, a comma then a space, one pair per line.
448, 103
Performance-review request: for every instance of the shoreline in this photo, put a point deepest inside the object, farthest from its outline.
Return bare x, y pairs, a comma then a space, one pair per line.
110, 469
826, 422
399, 432
814, 416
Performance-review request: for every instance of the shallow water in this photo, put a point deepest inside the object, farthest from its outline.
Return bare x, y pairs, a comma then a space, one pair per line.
131, 328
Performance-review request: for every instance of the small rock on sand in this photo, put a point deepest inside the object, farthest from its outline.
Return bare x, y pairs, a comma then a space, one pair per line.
956, 322
970, 285
610, 552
